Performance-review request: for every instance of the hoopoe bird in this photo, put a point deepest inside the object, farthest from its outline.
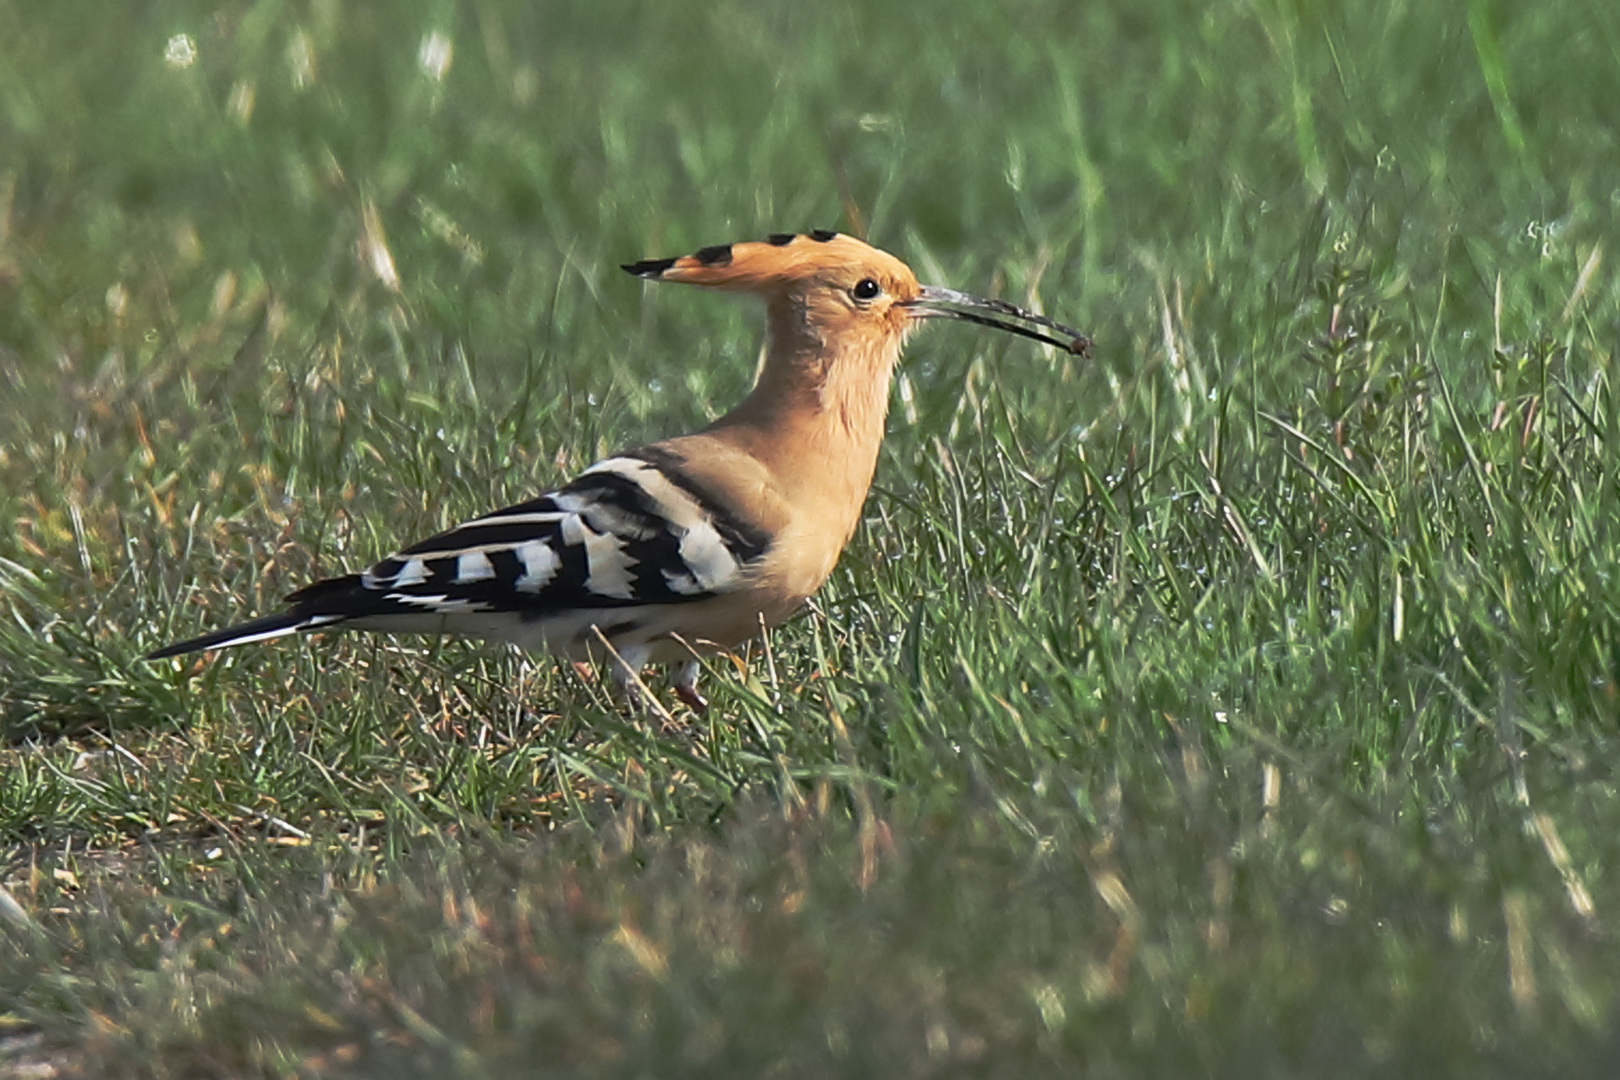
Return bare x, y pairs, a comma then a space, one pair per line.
696, 543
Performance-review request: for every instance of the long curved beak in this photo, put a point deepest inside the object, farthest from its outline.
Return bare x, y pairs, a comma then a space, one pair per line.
934, 302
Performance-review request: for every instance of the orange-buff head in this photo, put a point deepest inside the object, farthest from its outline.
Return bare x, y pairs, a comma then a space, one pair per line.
827, 291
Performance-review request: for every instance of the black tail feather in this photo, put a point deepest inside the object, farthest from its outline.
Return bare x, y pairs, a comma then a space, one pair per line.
256, 630
323, 603
339, 595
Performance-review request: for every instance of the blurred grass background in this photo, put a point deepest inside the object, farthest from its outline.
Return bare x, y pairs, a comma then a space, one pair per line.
1241, 701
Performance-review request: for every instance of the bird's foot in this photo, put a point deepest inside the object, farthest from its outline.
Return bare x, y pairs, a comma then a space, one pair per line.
685, 687
692, 699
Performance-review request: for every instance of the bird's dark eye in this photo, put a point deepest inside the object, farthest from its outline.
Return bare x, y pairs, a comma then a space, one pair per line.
866, 289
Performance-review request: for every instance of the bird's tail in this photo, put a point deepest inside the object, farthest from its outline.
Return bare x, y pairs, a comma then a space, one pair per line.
271, 626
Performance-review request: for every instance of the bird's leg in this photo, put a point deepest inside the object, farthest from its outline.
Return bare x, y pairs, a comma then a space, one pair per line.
685, 685
624, 667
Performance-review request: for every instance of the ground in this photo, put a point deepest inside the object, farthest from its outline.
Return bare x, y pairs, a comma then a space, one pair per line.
1236, 702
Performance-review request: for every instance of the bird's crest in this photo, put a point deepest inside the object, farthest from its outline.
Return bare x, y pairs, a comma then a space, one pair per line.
782, 258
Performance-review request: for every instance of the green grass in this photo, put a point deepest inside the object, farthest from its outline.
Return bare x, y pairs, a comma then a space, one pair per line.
1241, 702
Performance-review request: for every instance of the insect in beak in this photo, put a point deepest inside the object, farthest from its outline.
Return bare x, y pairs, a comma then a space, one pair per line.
934, 302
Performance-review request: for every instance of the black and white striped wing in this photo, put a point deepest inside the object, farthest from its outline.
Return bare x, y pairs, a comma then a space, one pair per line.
630, 536
628, 532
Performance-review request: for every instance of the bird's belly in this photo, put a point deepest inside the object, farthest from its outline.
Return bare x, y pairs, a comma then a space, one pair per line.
707, 626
